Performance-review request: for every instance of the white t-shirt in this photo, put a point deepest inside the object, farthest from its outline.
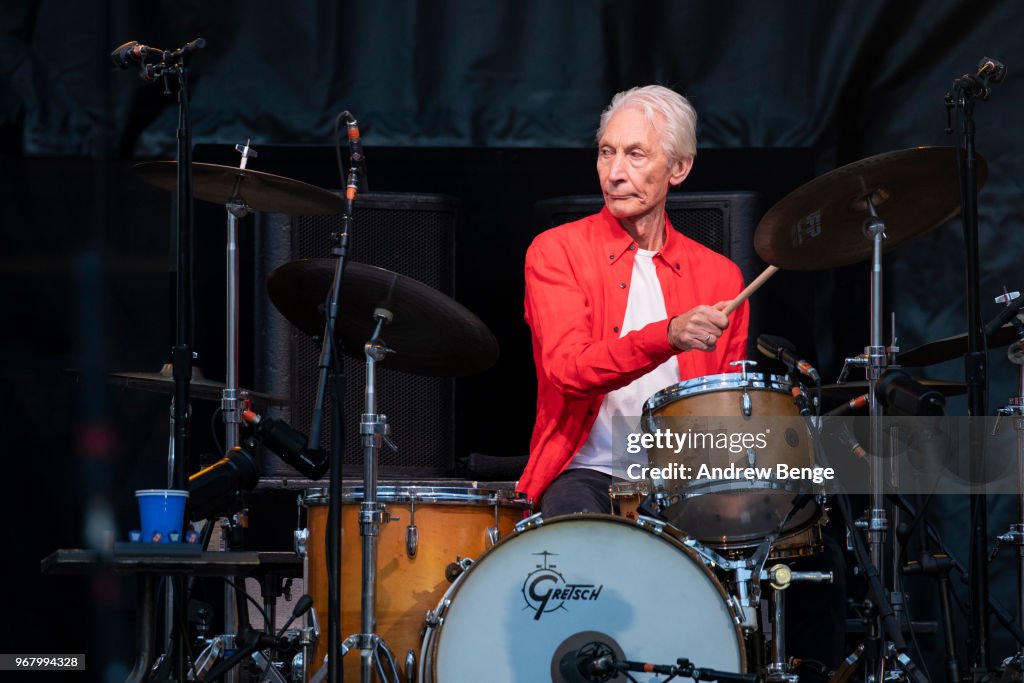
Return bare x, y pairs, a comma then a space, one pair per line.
646, 304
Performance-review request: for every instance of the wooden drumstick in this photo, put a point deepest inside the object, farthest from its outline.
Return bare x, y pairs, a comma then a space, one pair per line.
750, 289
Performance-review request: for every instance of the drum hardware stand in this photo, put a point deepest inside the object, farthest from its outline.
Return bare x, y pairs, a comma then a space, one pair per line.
876, 525
779, 577
938, 566
373, 428
229, 398
1015, 410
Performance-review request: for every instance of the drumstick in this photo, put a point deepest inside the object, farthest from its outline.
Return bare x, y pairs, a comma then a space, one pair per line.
750, 289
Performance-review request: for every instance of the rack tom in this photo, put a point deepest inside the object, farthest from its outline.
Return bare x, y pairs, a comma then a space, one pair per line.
737, 440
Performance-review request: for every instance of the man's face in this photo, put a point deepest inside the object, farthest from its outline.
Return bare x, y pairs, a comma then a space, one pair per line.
631, 163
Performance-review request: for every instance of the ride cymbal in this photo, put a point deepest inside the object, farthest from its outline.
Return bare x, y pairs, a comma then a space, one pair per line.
430, 333
259, 191
820, 224
941, 350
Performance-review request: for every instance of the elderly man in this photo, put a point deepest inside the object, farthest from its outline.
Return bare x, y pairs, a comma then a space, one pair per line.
620, 304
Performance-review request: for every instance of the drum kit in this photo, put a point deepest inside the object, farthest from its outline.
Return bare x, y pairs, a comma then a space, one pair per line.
459, 582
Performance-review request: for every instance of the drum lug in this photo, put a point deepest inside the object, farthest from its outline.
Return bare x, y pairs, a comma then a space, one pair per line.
410, 666
300, 541
745, 404
435, 617
534, 520
493, 535
655, 525
412, 540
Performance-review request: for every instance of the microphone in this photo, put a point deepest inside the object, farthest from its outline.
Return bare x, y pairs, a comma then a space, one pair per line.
802, 405
854, 405
357, 160
132, 52
904, 395
783, 350
991, 69
1005, 316
288, 444
212, 490
977, 85
593, 662
355, 144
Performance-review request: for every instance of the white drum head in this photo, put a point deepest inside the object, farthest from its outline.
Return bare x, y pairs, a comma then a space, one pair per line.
551, 589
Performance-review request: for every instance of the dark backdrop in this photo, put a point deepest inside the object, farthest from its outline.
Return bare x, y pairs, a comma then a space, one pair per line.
493, 103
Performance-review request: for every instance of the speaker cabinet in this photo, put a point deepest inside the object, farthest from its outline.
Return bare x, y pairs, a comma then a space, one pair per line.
410, 234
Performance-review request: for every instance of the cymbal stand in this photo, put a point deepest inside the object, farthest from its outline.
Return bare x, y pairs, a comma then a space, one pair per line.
229, 403
373, 430
1015, 535
876, 526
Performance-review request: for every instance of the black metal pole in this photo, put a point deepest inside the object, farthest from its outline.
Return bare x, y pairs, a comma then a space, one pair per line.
975, 375
181, 355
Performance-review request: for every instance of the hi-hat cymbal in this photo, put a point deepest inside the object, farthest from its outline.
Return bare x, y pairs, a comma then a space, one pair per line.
258, 190
941, 350
430, 333
820, 224
850, 390
199, 387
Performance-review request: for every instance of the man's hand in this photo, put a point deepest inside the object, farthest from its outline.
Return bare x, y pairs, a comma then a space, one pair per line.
699, 328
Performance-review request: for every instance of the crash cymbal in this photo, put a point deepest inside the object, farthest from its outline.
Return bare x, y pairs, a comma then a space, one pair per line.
849, 390
820, 224
430, 333
941, 350
259, 191
199, 387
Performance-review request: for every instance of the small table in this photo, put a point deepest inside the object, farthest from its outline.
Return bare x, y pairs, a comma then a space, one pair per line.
150, 561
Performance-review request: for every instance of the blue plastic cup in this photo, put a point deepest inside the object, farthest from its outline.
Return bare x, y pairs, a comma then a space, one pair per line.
162, 512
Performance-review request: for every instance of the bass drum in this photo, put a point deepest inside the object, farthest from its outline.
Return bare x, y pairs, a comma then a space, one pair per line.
527, 608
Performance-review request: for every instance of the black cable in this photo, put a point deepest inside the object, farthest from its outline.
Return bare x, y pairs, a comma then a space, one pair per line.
913, 633
242, 591
214, 430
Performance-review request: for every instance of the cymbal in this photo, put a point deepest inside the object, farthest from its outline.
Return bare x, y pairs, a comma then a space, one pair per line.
849, 390
258, 190
199, 387
430, 333
820, 224
941, 350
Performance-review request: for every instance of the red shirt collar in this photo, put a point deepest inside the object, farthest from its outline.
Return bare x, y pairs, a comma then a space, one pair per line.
617, 241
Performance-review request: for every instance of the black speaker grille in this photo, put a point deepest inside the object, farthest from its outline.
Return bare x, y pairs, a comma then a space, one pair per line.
704, 220
412, 235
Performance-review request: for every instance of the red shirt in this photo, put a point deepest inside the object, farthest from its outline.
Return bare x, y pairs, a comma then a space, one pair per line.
577, 286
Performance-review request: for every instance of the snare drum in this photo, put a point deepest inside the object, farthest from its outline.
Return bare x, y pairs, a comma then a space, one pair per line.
627, 496
764, 434
526, 608
449, 522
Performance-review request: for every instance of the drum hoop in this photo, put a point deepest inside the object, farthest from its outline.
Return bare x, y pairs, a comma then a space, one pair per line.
750, 541
729, 381
630, 488
453, 590
424, 494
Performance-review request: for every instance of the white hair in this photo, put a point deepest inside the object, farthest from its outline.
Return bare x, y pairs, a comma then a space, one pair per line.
677, 121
